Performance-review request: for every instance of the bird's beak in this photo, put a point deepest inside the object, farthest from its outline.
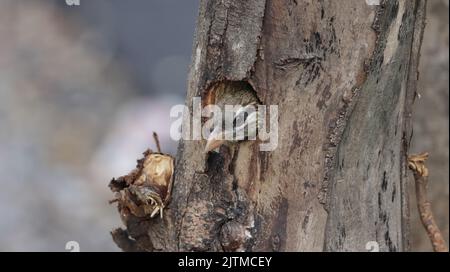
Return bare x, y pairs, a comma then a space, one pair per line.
214, 141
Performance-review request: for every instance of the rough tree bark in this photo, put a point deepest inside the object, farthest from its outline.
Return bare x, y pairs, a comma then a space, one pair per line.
343, 74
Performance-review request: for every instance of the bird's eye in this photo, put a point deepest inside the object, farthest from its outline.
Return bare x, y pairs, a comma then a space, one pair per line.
242, 114
240, 119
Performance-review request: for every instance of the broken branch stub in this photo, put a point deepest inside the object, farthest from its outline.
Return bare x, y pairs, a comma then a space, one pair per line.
146, 190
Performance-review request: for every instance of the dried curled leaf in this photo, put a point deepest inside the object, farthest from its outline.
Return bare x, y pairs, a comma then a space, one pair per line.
146, 190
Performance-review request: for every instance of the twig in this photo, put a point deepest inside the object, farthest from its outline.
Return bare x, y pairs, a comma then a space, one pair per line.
113, 201
417, 164
156, 138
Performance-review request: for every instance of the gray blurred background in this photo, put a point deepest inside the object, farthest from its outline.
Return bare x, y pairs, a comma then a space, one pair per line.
83, 87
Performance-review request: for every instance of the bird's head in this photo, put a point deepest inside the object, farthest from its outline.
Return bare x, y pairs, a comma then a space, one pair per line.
241, 123
239, 126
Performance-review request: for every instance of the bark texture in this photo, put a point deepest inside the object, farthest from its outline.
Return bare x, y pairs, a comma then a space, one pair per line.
343, 74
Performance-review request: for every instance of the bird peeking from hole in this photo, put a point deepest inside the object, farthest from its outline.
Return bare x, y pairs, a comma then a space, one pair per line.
234, 114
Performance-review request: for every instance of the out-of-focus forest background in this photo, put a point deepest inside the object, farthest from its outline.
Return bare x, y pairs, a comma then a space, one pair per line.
83, 87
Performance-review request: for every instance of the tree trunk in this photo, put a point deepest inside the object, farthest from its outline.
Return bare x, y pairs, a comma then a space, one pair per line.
343, 74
